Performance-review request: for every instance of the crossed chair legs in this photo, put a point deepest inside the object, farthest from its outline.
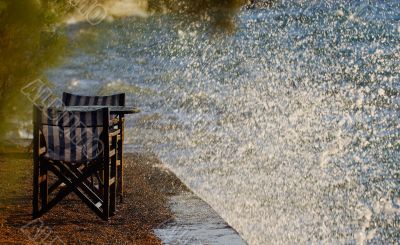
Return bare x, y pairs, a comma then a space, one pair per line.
101, 199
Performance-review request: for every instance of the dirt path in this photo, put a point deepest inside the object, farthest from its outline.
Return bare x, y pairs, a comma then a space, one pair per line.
71, 222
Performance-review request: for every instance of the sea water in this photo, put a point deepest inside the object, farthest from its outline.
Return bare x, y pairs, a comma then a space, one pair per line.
288, 127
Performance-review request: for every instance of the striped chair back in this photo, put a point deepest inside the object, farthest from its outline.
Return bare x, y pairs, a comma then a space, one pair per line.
82, 100
74, 137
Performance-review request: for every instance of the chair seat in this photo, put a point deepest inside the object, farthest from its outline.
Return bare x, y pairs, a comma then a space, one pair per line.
57, 158
74, 152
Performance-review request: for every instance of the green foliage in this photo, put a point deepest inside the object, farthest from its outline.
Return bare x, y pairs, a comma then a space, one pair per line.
29, 44
3, 6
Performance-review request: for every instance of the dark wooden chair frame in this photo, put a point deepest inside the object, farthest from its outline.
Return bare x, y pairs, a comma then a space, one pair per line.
120, 125
102, 201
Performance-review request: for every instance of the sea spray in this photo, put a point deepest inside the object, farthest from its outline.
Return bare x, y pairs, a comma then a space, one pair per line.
288, 127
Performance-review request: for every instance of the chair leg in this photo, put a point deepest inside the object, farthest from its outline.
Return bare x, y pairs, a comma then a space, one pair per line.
106, 191
43, 186
113, 173
101, 181
120, 168
113, 192
75, 184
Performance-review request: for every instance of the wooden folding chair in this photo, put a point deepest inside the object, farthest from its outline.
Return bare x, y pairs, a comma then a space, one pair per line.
74, 147
118, 122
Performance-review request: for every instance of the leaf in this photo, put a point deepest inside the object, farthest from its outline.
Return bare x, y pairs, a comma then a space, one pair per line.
3, 6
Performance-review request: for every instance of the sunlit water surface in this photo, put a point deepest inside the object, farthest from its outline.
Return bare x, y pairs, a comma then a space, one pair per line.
289, 127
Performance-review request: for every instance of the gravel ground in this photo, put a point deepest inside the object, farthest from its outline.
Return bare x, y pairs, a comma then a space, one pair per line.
145, 207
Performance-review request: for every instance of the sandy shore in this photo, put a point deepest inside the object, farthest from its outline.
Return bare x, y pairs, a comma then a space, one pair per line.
148, 187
